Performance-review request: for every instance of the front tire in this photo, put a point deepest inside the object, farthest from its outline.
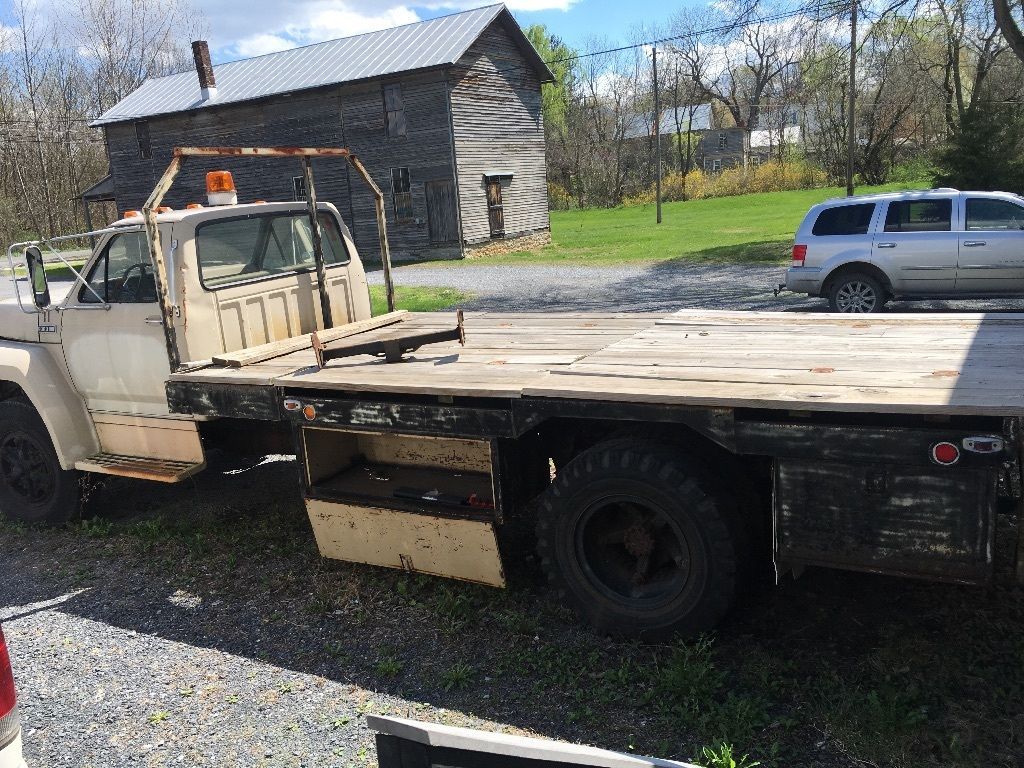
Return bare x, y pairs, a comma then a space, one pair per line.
33, 486
635, 540
857, 293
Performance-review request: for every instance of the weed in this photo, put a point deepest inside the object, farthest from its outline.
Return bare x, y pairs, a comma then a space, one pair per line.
186, 693
158, 717
722, 757
341, 722
97, 528
458, 676
389, 667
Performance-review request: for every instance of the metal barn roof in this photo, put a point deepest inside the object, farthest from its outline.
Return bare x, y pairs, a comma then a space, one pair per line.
422, 45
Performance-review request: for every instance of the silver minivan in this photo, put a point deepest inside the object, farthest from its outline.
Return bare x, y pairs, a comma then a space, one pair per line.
859, 252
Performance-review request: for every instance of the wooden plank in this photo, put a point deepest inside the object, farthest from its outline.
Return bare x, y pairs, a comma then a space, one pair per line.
251, 355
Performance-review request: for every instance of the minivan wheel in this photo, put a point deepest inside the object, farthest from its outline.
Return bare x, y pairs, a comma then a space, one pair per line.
857, 293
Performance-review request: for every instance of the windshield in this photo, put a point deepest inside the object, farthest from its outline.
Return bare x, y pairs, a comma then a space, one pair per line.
260, 246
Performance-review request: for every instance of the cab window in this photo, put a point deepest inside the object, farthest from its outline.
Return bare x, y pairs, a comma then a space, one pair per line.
994, 215
919, 216
123, 274
240, 250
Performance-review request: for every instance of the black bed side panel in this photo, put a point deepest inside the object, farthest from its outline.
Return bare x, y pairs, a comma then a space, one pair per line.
912, 521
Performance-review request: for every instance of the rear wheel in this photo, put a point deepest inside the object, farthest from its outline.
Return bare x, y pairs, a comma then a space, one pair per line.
635, 540
33, 486
857, 293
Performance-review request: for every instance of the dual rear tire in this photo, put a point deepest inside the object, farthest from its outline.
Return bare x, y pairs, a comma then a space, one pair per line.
639, 541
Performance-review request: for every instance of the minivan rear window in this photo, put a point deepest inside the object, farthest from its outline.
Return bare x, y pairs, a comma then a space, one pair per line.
844, 220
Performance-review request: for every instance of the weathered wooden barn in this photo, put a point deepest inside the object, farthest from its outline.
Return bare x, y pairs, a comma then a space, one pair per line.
445, 114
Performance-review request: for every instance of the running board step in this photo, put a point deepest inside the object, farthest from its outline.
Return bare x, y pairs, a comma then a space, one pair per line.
141, 467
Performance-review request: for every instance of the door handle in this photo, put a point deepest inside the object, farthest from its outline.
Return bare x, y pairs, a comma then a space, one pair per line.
886, 245
154, 320
973, 243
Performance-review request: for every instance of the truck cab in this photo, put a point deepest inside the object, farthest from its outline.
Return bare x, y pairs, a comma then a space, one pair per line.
83, 375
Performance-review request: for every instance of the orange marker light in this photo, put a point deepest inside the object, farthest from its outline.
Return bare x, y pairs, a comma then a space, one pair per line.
309, 412
259, 202
219, 181
193, 206
130, 214
164, 209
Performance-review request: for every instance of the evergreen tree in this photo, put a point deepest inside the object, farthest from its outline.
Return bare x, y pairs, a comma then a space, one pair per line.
987, 152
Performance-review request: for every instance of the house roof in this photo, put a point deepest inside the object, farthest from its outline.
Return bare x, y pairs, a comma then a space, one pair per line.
698, 117
422, 45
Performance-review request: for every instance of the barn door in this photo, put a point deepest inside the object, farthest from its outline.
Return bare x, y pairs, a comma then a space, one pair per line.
442, 212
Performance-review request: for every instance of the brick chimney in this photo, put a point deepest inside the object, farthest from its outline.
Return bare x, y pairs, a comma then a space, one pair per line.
204, 68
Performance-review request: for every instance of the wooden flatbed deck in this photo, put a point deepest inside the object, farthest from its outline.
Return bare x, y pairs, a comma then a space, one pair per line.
943, 364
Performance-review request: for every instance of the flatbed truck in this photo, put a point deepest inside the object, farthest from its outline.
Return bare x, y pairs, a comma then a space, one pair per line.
652, 458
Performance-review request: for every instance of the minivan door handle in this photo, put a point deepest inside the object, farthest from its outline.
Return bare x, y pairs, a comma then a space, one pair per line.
886, 245
973, 243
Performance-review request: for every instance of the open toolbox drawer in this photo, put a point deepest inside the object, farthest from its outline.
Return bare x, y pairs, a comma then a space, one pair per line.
426, 504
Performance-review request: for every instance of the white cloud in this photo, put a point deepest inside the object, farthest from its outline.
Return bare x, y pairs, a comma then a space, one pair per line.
243, 28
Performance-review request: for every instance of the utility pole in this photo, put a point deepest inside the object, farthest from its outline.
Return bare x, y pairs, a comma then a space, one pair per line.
851, 138
657, 133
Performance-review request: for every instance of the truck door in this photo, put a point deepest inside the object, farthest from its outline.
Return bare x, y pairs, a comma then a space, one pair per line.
917, 246
113, 336
991, 247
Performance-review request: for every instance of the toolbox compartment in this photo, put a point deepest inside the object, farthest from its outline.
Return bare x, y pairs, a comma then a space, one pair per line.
420, 503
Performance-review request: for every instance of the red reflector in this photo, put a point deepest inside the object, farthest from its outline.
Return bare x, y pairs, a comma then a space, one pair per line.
945, 453
799, 254
7, 695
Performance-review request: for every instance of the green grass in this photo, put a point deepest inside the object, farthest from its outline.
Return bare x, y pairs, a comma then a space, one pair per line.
416, 299
743, 229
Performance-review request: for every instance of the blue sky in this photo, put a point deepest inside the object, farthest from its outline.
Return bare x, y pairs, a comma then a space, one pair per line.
242, 28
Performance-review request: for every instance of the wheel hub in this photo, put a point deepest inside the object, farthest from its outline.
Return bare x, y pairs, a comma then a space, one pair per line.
856, 297
24, 468
633, 553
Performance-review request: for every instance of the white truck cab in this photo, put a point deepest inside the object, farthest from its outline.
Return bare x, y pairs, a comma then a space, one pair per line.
83, 378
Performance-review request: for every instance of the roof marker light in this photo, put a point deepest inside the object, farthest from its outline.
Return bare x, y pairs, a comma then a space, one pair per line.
130, 214
193, 206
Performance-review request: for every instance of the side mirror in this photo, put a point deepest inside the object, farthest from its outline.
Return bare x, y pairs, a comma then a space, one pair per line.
37, 276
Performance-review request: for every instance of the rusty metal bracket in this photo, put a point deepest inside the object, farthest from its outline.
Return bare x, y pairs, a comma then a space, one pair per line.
392, 350
180, 154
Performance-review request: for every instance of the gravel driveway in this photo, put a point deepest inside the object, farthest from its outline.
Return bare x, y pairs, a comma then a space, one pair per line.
637, 287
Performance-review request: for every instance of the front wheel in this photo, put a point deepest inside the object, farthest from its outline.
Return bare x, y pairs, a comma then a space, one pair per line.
857, 293
33, 486
634, 539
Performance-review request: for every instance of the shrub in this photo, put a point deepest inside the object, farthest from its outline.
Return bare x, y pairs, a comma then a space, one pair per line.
771, 176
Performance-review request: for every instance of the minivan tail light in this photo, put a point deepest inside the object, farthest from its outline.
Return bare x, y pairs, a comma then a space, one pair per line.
9, 725
799, 254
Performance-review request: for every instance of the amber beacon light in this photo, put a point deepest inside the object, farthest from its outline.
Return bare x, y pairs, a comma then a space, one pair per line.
220, 188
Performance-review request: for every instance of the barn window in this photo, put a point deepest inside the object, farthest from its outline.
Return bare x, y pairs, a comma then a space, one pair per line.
495, 208
723, 141
394, 110
298, 187
142, 137
401, 194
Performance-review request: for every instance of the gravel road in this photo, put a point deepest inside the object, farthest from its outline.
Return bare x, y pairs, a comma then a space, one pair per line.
638, 287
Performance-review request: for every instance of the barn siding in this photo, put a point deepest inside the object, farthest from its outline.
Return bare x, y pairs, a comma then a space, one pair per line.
425, 150
496, 116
